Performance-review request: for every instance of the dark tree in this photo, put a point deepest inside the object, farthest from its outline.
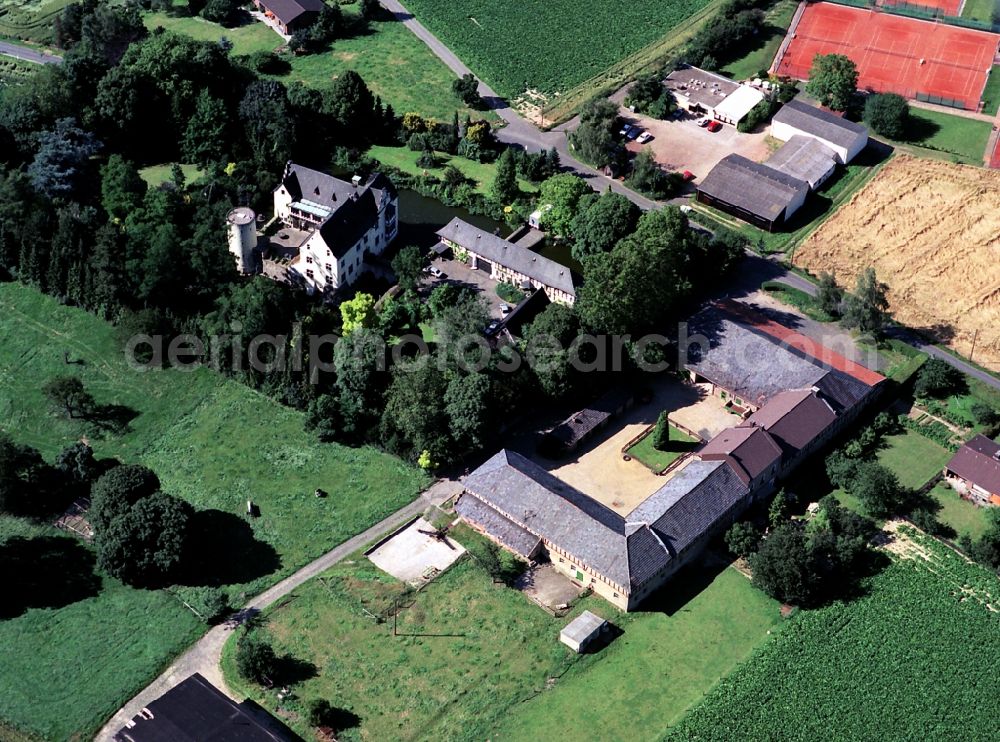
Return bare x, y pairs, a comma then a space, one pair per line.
78, 467
649, 95
830, 296
833, 80
661, 433
256, 660
69, 396
26, 481
61, 163
879, 490
268, 123
887, 114
408, 265
867, 307
595, 138
122, 188
505, 189
742, 539
601, 222
467, 407
223, 12
117, 490
650, 179
206, 135
467, 89
939, 379
563, 194
146, 543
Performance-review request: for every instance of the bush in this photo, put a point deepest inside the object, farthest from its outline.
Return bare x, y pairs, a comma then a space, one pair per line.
256, 660
758, 115
216, 605
985, 415
510, 293
887, 114
742, 539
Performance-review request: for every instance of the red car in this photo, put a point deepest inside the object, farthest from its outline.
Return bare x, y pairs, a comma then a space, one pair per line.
714, 126
687, 175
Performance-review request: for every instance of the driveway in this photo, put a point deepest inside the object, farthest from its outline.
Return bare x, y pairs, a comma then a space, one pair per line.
683, 145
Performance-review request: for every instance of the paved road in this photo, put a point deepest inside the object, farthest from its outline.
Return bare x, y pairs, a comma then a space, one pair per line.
27, 54
206, 654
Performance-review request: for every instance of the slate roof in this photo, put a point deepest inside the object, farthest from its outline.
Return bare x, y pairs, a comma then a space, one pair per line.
518, 259
978, 462
582, 423
820, 123
628, 551
197, 711
754, 364
751, 186
288, 10
506, 531
750, 448
794, 418
804, 158
353, 210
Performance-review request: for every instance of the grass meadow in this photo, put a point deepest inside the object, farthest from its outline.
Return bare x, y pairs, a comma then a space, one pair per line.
477, 660
405, 159
651, 457
213, 442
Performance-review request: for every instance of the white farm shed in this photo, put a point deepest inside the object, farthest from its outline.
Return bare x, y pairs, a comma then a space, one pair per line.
582, 630
738, 104
844, 137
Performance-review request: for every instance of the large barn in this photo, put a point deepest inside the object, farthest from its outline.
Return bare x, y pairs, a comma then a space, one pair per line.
756, 193
844, 138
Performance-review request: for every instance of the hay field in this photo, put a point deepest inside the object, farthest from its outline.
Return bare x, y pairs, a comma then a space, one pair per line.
931, 230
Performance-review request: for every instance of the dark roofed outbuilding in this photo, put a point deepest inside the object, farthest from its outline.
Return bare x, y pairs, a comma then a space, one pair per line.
754, 192
291, 15
844, 137
977, 464
197, 711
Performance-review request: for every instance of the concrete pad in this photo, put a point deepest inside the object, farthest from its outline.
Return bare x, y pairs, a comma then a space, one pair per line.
414, 556
547, 587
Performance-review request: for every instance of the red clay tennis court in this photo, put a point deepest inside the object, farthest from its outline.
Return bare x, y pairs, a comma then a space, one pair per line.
915, 58
937, 7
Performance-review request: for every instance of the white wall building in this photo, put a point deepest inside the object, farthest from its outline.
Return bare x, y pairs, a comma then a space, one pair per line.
844, 137
702, 92
347, 221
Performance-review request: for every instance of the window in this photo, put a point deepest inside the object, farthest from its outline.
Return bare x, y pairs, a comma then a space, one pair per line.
561, 560
615, 594
309, 258
329, 267
309, 274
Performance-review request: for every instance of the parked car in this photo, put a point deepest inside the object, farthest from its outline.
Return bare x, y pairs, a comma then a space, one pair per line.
437, 272
644, 137
703, 123
636, 131
505, 309
687, 175
625, 130
492, 327
714, 126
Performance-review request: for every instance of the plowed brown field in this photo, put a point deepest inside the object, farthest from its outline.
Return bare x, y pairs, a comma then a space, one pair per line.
931, 230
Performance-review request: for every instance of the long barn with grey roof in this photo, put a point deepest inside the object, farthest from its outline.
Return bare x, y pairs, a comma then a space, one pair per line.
798, 402
756, 193
845, 138
508, 262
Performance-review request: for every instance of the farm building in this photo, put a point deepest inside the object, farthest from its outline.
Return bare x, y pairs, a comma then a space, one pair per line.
583, 631
197, 710
756, 193
845, 138
341, 223
624, 558
703, 92
583, 424
974, 471
507, 262
806, 159
290, 15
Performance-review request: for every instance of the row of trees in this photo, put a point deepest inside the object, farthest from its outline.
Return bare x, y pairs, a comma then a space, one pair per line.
865, 310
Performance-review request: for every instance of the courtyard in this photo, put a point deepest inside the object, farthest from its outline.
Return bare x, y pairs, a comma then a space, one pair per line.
458, 273
681, 144
415, 554
598, 467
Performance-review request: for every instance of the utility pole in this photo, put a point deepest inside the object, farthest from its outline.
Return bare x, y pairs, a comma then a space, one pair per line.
975, 337
395, 613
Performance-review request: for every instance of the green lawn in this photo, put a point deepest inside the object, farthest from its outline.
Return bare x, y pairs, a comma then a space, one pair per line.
954, 135
979, 10
155, 175
657, 460
395, 64
991, 93
405, 159
212, 441
667, 659
474, 657
907, 659
914, 458
246, 39
779, 18
962, 515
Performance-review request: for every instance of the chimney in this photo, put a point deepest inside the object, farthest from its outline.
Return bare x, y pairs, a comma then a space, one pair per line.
356, 180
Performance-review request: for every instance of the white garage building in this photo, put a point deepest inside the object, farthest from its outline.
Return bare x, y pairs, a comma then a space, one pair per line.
845, 138
702, 92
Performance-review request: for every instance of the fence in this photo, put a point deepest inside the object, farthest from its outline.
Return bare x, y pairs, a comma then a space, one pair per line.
940, 100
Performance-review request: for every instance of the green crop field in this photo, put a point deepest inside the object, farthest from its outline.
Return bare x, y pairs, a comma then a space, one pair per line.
549, 47
213, 442
474, 659
911, 659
